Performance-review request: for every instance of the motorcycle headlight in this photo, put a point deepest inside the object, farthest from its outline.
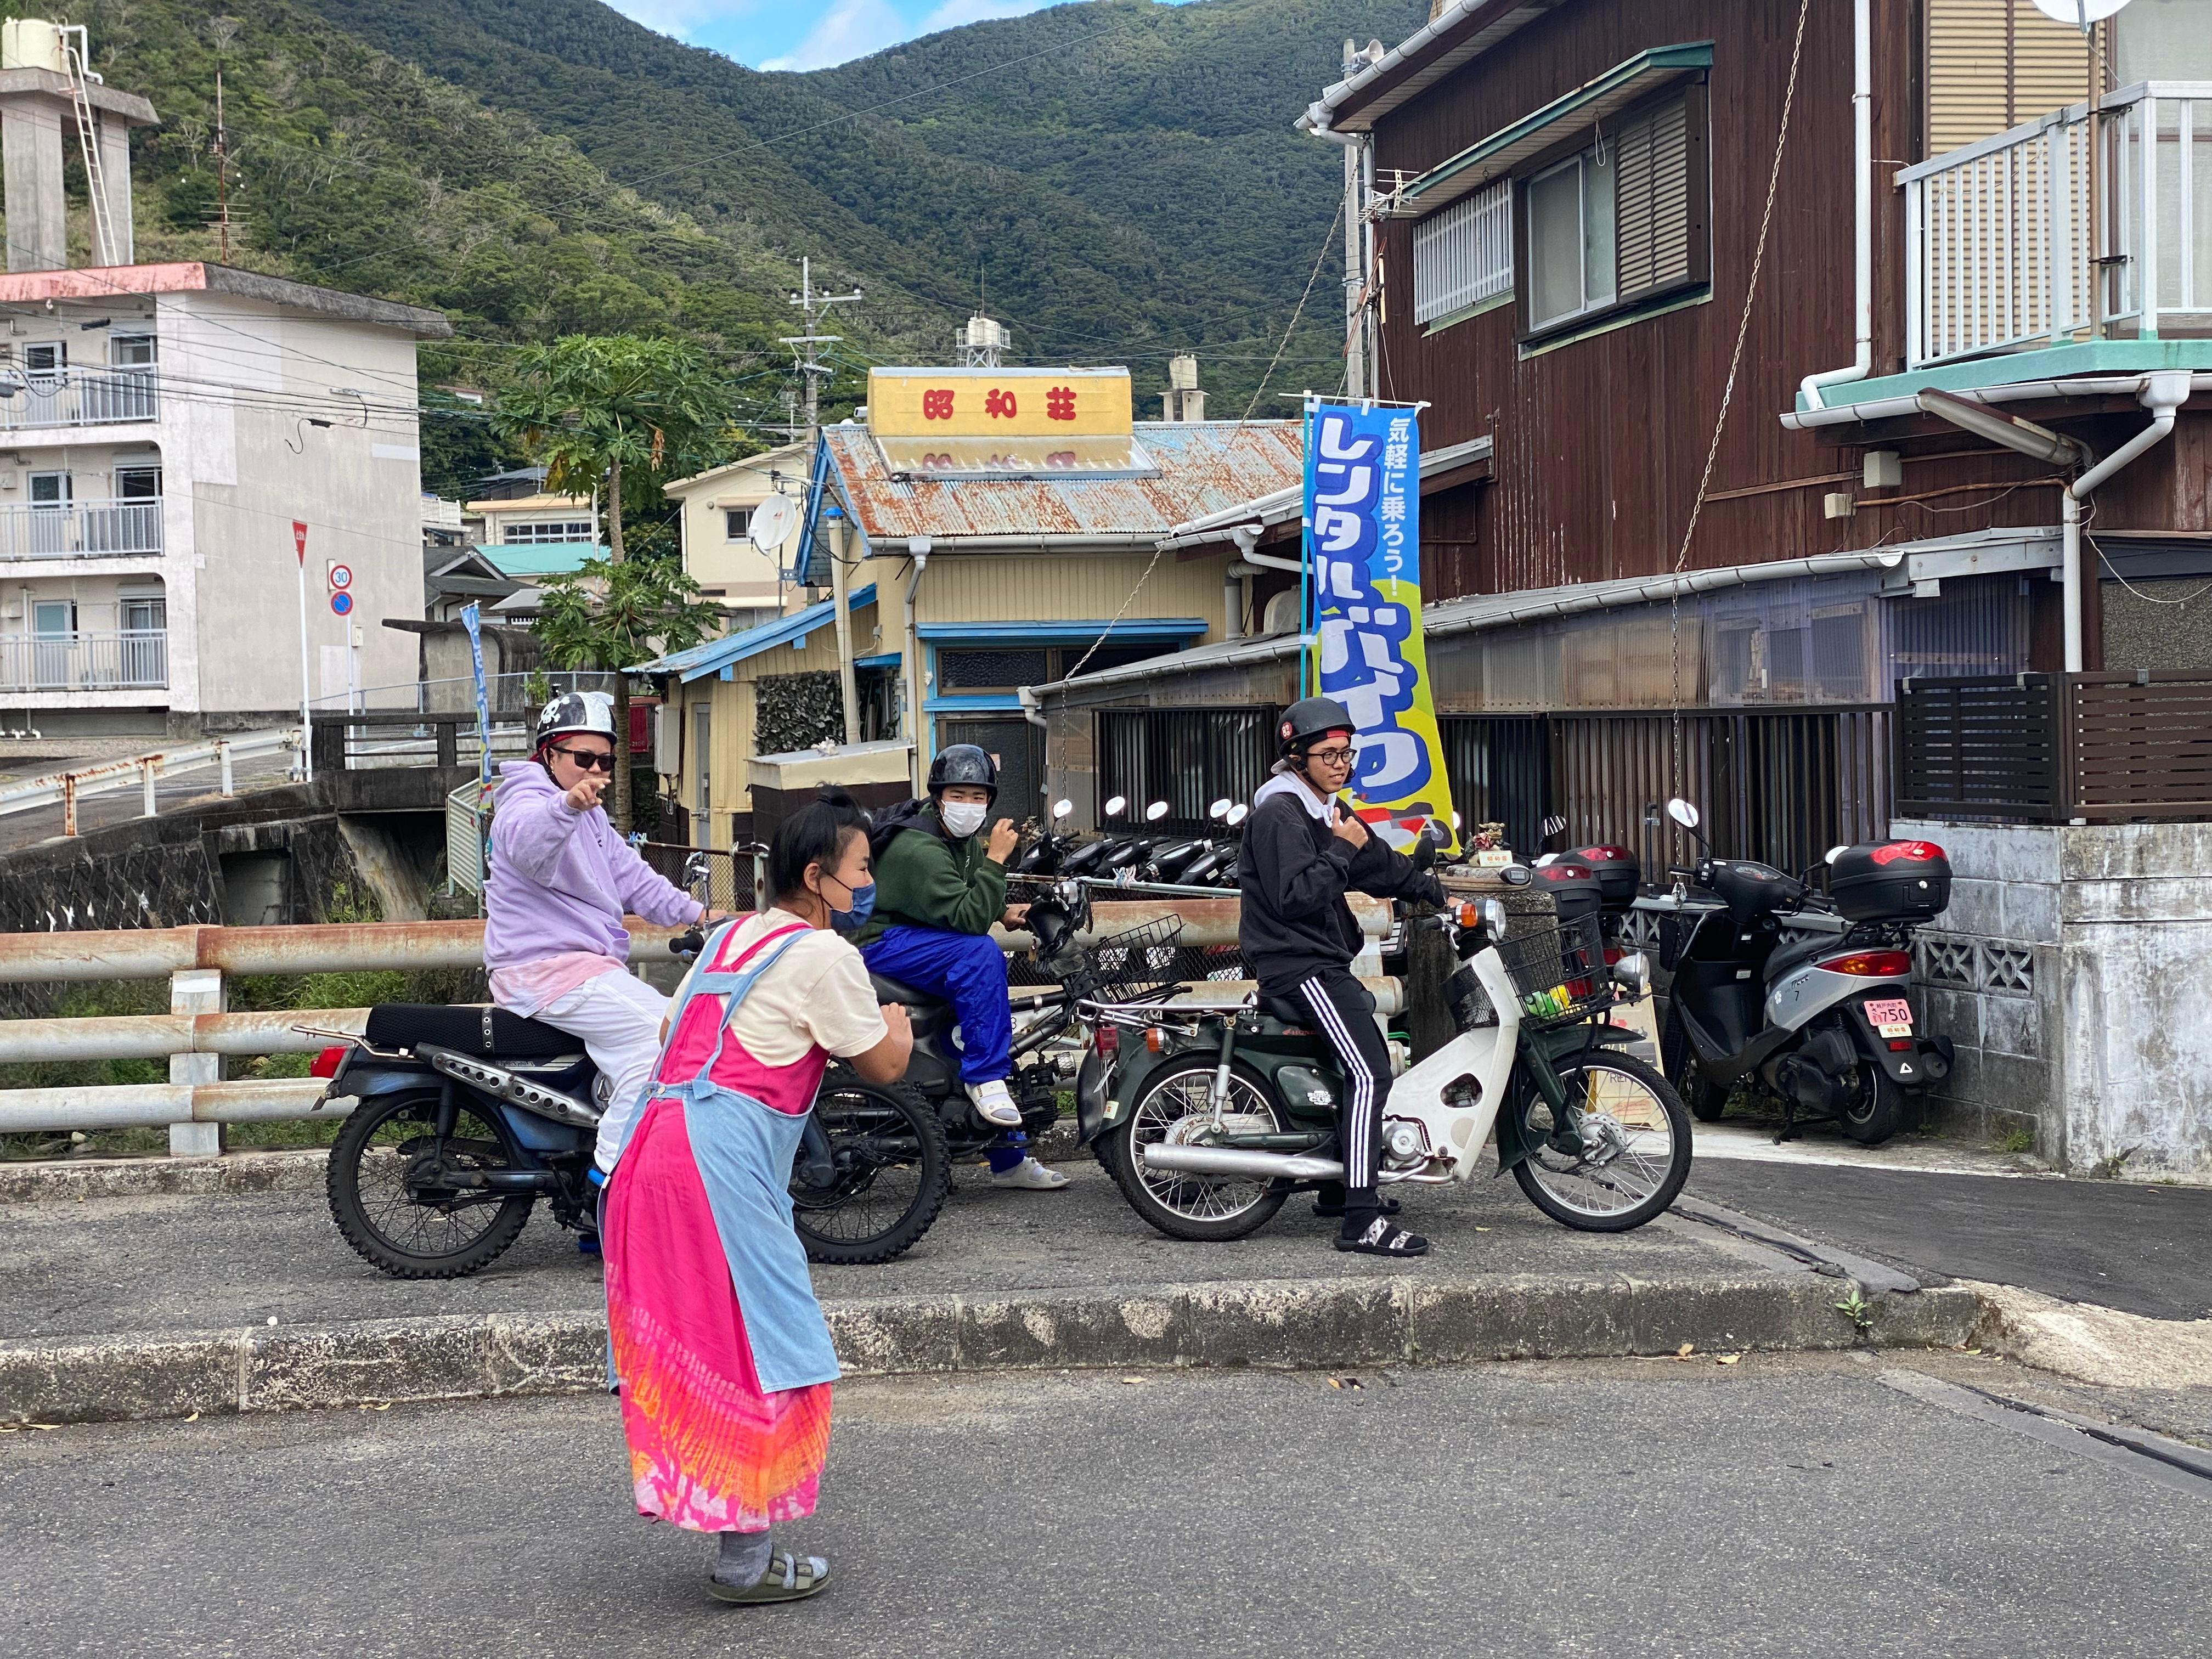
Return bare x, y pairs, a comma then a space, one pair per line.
1494, 917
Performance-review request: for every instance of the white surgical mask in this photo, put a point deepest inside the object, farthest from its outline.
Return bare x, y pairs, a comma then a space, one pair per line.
962, 817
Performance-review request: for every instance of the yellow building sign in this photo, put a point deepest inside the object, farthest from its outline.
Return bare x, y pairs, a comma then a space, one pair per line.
1000, 402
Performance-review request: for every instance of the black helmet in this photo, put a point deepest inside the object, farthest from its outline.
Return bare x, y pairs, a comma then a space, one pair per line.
1307, 719
962, 764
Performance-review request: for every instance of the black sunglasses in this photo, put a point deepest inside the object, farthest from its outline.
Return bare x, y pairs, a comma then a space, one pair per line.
588, 760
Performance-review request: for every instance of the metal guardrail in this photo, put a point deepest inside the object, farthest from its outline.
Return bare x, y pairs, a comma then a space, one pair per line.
197, 1033
144, 771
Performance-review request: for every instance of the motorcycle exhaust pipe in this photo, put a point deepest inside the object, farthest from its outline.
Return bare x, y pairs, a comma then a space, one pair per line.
498, 1081
1234, 1161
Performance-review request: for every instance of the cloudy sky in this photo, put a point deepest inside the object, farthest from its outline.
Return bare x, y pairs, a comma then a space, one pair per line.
804, 34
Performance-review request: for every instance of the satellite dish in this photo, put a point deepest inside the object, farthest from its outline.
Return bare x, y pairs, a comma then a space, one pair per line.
772, 524
2079, 13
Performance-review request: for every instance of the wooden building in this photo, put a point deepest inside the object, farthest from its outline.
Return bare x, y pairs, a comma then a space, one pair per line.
1715, 525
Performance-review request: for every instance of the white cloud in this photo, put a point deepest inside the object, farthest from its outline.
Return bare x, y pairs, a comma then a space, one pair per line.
681, 18
953, 13
850, 28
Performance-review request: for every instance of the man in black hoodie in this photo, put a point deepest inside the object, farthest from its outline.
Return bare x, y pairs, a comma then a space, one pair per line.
1303, 850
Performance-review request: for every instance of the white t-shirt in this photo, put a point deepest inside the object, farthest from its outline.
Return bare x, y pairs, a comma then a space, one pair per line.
817, 994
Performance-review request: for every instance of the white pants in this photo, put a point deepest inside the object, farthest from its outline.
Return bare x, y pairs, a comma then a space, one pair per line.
619, 1015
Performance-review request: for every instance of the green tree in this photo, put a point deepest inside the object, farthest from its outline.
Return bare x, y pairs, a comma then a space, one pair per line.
606, 410
609, 615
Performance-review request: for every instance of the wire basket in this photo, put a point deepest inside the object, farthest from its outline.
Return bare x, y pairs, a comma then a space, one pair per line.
1143, 963
1559, 973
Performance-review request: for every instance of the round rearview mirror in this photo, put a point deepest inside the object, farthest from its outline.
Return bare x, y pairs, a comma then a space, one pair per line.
1156, 812
1238, 814
1682, 812
1835, 853
1455, 824
1115, 805
1061, 809
1219, 808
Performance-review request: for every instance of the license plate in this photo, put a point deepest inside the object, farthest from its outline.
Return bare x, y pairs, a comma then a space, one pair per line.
1891, 1018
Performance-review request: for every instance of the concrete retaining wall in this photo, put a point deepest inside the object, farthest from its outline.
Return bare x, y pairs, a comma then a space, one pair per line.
2074, 970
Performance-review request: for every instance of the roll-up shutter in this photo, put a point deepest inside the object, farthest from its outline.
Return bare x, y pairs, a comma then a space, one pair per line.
1652, 195
1995, 63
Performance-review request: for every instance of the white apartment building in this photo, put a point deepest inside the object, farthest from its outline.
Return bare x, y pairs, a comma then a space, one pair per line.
162, 428
720, 553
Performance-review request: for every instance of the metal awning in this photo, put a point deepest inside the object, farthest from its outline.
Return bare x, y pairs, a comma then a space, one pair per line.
1509, 147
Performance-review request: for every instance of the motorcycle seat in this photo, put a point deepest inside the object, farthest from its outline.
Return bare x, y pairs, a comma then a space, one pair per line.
467, 1028
894, 990
1290, 1014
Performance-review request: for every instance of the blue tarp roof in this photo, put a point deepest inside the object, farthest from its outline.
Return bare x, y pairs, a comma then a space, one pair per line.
715, 655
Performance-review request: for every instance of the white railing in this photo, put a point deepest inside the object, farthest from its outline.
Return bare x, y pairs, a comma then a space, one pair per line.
1999, 249
80, 530
128, 659
144, 772
35, 398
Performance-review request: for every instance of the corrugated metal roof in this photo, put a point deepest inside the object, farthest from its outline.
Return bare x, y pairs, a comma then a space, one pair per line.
1205, 467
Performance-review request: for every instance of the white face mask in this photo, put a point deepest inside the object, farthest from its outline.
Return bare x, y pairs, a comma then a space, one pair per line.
962, 817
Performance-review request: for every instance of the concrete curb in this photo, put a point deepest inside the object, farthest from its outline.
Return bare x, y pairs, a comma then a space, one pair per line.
1285, 1323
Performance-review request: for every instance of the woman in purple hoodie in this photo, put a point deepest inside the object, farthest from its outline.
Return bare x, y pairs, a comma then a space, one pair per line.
562, 880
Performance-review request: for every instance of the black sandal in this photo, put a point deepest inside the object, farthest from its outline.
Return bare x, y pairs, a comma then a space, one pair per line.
1381, 1237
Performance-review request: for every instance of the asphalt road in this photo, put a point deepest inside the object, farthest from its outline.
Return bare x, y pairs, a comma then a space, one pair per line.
2129, 1245
1630, 1509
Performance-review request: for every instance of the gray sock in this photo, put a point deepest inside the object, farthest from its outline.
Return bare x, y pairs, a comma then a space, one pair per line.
744, 1558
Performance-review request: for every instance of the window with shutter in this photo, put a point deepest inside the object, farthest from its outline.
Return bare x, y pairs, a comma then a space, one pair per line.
1464, 255
1618, 222
1992, 65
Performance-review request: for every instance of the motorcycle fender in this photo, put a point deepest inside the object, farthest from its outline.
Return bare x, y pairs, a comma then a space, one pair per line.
1125, 1081
1091, 1085
1514, 1140
361, 1082
1905, 1066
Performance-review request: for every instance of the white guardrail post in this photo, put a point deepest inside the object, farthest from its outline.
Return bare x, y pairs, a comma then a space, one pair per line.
196, 991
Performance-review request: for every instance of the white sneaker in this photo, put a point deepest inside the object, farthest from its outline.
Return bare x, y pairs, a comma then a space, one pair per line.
995, 1104
1030, 1174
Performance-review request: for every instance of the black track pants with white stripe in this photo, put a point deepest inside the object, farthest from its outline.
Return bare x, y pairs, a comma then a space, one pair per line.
1344, 1012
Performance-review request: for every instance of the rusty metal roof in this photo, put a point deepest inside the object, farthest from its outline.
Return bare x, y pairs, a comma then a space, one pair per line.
1205, 467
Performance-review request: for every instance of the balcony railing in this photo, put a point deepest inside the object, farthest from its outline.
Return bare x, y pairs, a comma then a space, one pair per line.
125, 660
2000, 254
80, 530
33, 398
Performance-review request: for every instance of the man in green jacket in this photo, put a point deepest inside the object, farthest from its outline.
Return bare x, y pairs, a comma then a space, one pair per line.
939, 886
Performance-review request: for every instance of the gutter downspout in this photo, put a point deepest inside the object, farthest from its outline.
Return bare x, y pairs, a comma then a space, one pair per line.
840, 549
2163, 394
1246, 536
1358, 162
1032, 706
917, 548
1862, 199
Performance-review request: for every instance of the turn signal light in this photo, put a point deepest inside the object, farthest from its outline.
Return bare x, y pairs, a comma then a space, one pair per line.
1871, 964
327, 1062
1155, 1039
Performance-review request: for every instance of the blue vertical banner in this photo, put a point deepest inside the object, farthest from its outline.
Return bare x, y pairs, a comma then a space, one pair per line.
1363, 528
472, 619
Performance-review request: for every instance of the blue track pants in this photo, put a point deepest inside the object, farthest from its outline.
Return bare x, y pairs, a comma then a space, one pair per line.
969, 970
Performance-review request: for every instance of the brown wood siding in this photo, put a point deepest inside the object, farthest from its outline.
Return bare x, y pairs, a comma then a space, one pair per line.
1599, 443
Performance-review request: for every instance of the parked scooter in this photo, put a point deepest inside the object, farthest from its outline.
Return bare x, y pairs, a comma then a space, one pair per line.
1220, 1114
1824, 1024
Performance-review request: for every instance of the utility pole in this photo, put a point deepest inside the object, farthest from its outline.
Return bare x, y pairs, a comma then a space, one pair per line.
806, 348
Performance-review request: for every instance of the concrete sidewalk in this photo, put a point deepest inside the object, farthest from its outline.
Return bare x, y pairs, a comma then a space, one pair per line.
167, 1304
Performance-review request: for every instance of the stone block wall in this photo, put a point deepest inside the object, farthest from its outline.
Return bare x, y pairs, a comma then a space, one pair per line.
2074, 971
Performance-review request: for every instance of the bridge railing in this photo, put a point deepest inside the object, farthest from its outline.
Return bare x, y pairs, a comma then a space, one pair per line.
198, 1032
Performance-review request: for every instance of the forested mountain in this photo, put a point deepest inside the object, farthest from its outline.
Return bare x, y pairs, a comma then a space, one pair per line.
1119, 179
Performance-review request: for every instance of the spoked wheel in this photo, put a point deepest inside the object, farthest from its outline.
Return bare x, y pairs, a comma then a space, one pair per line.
891, 1172
1630, 1140
388, 1200
1175, 1106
